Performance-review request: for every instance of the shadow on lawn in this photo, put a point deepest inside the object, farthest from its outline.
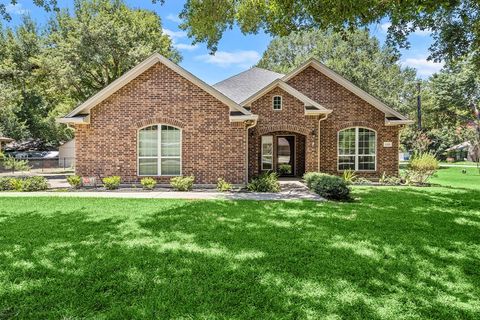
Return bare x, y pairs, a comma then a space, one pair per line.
390, 254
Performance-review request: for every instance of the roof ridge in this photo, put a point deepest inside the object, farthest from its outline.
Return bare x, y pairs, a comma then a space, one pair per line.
244, 71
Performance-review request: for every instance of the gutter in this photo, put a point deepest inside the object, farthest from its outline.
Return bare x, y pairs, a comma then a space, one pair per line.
319, 135
246, 153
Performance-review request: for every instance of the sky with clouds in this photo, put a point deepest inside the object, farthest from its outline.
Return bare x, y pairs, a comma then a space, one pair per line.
236, 52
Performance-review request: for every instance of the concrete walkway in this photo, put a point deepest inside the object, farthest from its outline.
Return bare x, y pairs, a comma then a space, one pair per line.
199, 195
291, 190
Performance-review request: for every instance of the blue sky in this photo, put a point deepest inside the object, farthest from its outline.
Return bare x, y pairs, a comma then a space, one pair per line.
236, 52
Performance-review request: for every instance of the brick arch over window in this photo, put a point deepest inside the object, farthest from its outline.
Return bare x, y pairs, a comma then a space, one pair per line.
350, 124
285, 127
162, 120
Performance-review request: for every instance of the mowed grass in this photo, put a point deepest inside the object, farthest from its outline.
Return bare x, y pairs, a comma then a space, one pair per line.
394, 253
457, 177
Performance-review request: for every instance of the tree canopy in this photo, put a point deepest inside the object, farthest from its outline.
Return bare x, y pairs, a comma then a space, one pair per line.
358, 57
45, 72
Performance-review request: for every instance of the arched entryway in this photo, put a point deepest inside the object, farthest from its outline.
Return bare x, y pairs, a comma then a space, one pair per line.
279, 151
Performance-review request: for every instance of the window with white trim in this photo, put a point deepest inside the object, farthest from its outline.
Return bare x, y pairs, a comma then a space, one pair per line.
277, 103
267, 152
159, 151
357, 149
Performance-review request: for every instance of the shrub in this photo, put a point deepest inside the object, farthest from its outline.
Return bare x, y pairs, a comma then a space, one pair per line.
148, 183
310, 177
284, 169
421, 167
362, 180
1, 156
34, 184
17, 184
266, 182
182, 183
10, 163
349, 176
6, 184
111, 183
330, 187
390, 180
223, 185
74, 181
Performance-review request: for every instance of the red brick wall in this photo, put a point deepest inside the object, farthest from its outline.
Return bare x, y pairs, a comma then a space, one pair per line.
348, 110
212, 147
290, 120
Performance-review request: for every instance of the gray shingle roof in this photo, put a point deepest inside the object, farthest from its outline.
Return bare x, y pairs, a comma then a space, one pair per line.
241, 86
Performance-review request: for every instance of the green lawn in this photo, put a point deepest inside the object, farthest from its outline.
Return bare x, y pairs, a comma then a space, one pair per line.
454, 177
394, 253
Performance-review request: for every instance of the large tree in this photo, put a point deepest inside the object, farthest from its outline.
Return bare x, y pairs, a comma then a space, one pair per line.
46, 73
99, 42
358, 57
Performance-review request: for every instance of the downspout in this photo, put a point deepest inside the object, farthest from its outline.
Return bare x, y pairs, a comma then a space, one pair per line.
248, 126
319, 135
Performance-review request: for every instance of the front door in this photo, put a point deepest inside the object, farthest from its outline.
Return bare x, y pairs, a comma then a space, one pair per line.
286, 155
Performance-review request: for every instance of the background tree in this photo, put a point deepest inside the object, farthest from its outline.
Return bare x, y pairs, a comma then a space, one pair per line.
358, 57
45, 73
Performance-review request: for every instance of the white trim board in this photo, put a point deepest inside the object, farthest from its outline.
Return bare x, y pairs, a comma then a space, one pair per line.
116, 85
346, 84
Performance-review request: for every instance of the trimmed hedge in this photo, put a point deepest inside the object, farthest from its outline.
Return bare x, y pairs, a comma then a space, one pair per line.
328, 186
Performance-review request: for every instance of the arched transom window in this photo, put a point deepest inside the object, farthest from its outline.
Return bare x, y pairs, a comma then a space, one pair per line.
159, 151
357, 149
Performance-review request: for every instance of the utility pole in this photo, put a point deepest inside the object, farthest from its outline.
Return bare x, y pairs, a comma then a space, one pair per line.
419, 107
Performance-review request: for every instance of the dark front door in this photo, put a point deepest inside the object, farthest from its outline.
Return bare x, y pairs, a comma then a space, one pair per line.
286, 155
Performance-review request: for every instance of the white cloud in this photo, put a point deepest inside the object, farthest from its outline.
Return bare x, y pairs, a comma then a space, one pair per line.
186, 46
384, 27
16, 9
174, 34
174, 18
424, 67
242, 58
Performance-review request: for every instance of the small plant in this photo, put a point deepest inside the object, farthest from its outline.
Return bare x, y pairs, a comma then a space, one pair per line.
284, 169
35, 184
10, 163
331, 187
148, 183
223, 185
6, 184
74, 181
266, 182
349, 176
17, 184
111, 183
310, 177
421, 167
182, 183
389, 180
362, 181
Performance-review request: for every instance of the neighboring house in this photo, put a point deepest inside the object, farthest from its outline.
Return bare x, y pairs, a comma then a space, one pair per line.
464, 151
160, 120
66, 154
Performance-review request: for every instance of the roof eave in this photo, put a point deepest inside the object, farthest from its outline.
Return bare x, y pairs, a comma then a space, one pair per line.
398, 122
74, 120
248, 117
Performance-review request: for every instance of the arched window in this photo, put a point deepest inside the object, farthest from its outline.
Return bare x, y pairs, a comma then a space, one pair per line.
357, 149
159, 151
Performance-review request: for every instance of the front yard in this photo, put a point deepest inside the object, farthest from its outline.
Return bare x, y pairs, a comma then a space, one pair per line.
394, 253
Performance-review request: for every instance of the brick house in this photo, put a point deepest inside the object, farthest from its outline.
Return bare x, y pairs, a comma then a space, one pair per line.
159, 120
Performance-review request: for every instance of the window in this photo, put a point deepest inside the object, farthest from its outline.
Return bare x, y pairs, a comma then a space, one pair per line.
357, 149
277, 103
159, 151
267, 152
